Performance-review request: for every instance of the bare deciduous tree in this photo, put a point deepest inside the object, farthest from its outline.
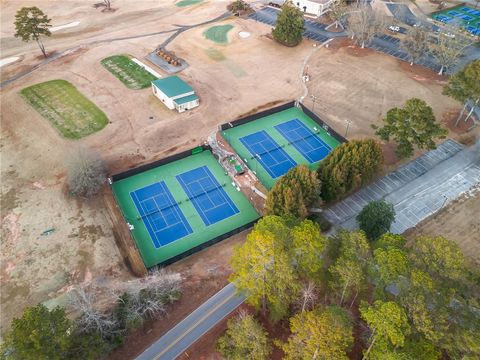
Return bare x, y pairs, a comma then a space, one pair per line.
308, 297
92, 320
149, 296
364, 24
107, 4
449, 47
337, 11
415, 43
86, 172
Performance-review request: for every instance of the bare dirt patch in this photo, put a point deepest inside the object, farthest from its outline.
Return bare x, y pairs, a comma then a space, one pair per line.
450, 118
361, 85
458, 221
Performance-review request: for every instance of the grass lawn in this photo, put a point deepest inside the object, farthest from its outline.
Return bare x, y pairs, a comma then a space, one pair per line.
128, 72
66, 108
187, 2
218, 33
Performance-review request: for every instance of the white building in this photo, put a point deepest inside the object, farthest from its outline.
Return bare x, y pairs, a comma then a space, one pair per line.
175, 93
312, 7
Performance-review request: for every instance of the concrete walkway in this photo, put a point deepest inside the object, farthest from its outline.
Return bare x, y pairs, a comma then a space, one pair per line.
417, 189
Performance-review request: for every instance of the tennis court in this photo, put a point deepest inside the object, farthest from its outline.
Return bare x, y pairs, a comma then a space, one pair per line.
272, 145
272, 157
304, 140
163, 218
468, 17
208, 197
181, 205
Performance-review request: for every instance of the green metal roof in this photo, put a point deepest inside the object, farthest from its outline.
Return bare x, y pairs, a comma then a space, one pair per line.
186, 99
172, 86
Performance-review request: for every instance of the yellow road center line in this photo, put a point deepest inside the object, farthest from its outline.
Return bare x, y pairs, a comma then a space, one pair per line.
207, 314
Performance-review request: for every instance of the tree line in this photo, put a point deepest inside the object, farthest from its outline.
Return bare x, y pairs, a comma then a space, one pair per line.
43, 333
397, 299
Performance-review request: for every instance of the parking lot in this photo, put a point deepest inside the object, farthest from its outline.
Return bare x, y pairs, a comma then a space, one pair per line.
384, 43
417, 189
391, 46
313, 30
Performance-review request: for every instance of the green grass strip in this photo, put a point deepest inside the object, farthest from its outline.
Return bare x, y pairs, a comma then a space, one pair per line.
70, 112
187, 3
128, 72
218, 33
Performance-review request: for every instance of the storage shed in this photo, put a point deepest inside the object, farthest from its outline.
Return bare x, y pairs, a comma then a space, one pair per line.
175, 93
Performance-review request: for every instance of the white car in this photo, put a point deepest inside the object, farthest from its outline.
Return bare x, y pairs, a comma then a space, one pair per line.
394, 28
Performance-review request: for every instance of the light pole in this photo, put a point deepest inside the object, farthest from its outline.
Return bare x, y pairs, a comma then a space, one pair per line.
314, 98
346, 130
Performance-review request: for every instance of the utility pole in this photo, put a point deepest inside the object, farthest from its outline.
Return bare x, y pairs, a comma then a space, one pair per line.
314, 98
348, 125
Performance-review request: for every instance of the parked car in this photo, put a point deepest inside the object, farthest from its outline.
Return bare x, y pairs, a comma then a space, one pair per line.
274, 5
394, 28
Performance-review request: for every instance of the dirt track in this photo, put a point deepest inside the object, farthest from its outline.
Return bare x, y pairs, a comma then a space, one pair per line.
231, 80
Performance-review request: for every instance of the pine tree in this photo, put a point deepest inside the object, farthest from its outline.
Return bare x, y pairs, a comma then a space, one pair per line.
348, 167
289, 26
293, 193
412, 125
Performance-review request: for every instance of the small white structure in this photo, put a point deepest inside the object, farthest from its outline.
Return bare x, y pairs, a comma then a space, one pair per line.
175, 93
312, 7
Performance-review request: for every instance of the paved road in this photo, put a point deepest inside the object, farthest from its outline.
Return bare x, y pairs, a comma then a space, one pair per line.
417, 189
190, 329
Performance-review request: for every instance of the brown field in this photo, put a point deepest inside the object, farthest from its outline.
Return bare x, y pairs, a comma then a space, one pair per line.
231, 80
457, 221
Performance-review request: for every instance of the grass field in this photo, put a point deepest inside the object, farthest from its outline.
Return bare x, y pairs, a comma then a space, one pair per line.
66, 108
218, 33
188, 3
128, 72
202, 233
267, 124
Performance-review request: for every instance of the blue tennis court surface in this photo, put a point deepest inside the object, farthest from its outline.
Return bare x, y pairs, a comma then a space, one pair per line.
207, 195
160, 213
304, 140
268, 153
